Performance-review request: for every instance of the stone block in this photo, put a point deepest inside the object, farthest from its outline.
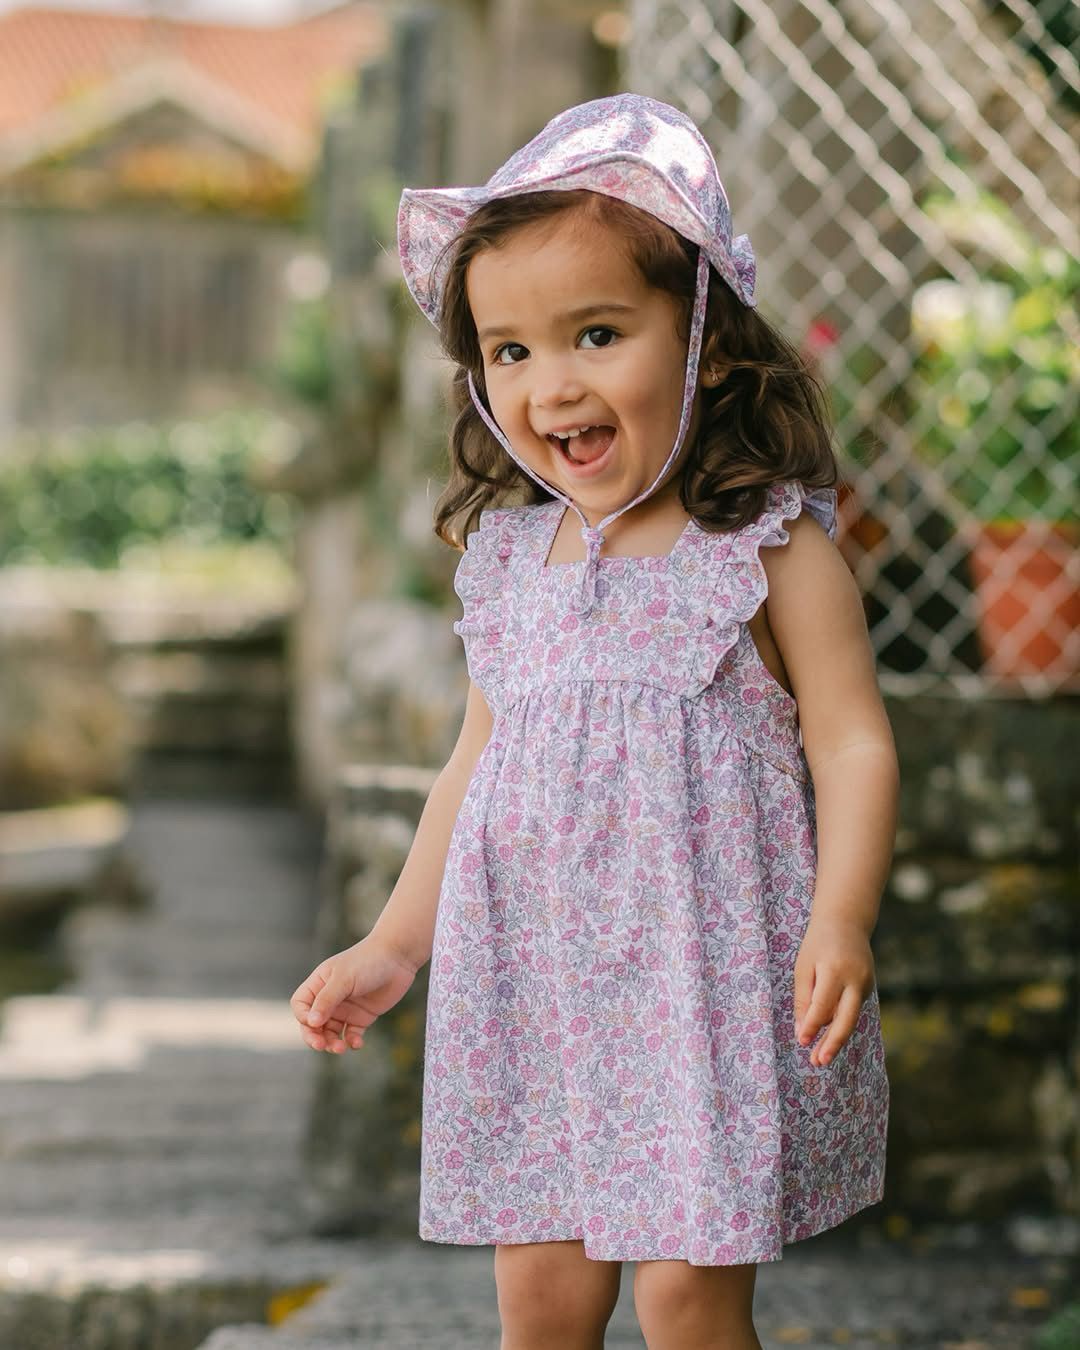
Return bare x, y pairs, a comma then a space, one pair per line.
406, 682
362, 1147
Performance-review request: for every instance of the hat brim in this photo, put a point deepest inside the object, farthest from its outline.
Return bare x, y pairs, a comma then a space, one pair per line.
430, 219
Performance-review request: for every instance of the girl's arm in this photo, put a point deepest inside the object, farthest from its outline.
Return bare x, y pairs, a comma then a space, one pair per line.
407, 922
815, 613
345, 993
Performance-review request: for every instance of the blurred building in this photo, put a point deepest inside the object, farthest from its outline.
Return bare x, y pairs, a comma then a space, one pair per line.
153, 179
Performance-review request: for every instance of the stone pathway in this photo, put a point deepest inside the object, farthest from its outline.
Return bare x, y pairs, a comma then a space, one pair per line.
152, 1112
822, 1295
152, 1119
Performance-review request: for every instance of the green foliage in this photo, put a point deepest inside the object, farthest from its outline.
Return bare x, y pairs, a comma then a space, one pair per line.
303, 362
854, 422
998, 366
93, 497
1057, 25
1062, 1332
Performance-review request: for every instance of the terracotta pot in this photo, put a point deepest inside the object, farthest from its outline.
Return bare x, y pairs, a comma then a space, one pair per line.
1026, 580
857, 531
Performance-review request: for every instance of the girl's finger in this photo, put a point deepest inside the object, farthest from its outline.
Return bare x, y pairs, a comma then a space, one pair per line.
343, 1030
329, 1037
843, 1024
817, 1016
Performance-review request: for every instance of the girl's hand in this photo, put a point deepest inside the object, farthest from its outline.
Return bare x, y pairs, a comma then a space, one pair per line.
345, 993
834, 975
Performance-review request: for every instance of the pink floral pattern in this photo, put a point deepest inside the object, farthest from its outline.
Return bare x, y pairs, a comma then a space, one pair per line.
610, 1051
628, 146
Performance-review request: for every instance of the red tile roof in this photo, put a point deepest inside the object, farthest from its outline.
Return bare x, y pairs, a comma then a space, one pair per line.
49, 56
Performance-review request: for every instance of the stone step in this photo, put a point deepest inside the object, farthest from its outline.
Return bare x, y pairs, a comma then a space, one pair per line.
199, 958
267, 775
180, 662
58, 851
153, 1112
168, 1286
135, 1108
73, 1036
953, 1292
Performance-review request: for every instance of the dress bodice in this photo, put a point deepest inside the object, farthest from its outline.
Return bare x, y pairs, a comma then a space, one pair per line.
676, 622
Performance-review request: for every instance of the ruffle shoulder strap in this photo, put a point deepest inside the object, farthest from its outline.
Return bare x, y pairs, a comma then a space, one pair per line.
742, 588
479, 581
783, 502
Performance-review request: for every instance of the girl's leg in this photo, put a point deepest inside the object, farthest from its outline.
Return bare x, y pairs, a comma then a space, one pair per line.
685, 1307
552, 1297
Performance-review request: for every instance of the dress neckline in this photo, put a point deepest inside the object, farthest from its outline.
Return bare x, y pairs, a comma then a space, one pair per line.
651, 560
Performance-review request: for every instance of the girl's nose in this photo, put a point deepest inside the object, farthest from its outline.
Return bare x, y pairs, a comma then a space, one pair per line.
554, 383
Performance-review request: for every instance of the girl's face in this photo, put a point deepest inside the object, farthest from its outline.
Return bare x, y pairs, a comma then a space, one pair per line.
572, 337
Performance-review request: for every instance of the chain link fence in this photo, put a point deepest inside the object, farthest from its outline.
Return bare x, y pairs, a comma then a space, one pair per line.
907, 171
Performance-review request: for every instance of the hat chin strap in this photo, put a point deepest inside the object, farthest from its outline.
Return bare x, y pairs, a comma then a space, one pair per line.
593, 535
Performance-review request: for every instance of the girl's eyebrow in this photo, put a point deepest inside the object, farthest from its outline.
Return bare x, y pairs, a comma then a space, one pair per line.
568, 316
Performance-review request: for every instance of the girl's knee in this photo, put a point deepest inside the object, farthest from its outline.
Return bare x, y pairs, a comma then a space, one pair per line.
553, 1286
669, 1292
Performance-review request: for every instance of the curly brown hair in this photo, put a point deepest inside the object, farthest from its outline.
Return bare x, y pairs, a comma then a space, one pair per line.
768, 419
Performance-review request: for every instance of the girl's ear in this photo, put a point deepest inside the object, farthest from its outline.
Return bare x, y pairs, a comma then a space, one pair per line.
712, 366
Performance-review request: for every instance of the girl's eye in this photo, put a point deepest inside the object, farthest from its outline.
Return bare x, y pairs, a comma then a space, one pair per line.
516, 346
500, 352
606, 336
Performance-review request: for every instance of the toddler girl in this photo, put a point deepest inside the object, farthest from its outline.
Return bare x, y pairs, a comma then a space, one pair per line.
648, 875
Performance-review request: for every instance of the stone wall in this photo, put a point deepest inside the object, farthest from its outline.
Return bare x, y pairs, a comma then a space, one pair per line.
117, 682
363, 1138
978, 948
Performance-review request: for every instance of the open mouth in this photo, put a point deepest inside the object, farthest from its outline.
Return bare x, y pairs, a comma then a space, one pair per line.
586, 444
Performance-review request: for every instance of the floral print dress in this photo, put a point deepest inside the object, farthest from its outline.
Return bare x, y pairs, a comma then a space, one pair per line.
610, 1050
